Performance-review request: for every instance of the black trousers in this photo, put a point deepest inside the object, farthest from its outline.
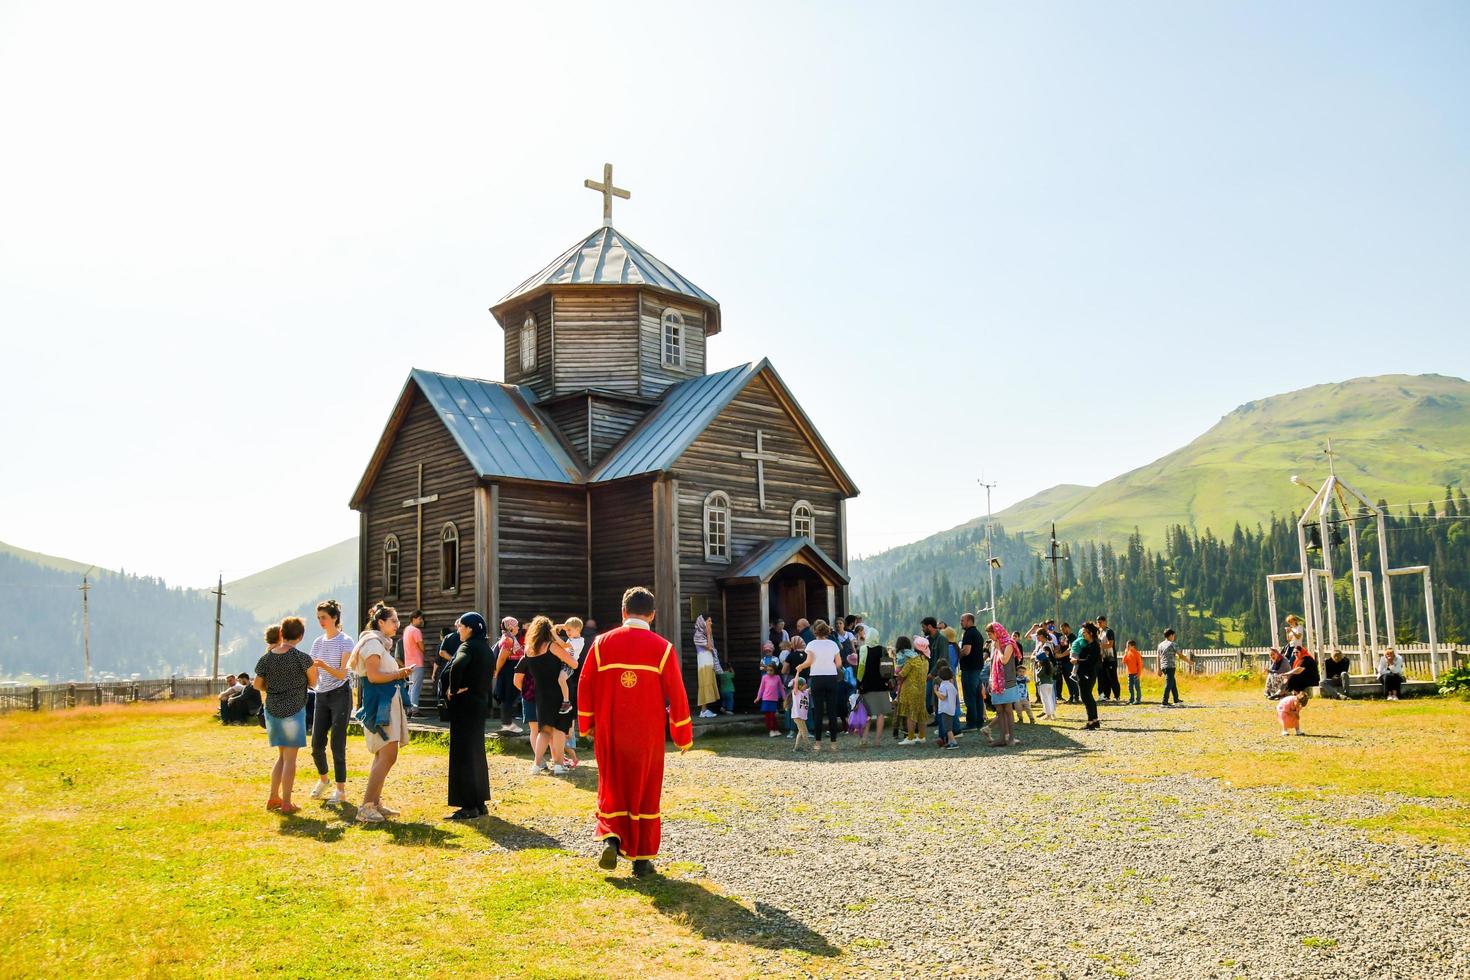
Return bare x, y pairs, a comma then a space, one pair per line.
1085, 683
826, 690
1391, 682
1107, 681
330, 722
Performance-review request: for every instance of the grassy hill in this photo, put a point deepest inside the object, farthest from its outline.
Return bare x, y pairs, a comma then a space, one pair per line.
45, 561
1402, 438
284, 588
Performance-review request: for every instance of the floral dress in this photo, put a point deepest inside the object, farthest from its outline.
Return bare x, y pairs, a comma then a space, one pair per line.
911, 703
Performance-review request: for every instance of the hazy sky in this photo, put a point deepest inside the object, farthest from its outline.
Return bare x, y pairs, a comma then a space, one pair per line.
963, 233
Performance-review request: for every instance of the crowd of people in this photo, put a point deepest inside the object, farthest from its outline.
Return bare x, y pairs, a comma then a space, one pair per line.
820, 679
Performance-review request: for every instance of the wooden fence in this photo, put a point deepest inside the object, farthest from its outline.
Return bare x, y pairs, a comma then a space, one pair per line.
52, 697
1414, 655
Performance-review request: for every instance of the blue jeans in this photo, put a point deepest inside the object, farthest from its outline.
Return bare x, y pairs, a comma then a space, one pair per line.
970, 681
946, 726
1169, 685
727, 701
415, 685
1135, 689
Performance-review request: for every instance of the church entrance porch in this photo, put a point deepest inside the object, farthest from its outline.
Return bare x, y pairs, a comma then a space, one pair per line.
790, 579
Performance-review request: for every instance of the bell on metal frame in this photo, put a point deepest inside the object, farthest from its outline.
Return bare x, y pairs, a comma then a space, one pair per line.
1314, 540
1335, 536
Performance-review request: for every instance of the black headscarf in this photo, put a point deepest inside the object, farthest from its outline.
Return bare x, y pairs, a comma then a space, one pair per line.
476, 623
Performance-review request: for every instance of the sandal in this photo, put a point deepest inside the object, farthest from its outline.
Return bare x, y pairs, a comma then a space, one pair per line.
289, 808
274, 803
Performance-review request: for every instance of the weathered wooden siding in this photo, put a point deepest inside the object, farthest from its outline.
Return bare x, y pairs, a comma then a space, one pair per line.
740, 638
622, 545
655, 376
612, 419
713, 462
596, 340
540, 379
421, 439
571, 418
543, 551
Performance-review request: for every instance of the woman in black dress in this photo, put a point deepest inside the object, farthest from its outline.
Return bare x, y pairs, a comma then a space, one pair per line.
546, 654
468, 689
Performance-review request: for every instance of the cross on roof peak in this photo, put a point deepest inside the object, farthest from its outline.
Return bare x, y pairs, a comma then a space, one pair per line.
608, 192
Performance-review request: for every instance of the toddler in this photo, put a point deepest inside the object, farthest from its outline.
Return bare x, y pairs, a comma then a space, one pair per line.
571, 634
801, 704
727, 689
1289, 710
1024, 704
768, 697
947, 699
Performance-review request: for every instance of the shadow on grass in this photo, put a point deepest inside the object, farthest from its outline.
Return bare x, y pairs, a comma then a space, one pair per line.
313, 827
513, 837
1044, 739
713, 916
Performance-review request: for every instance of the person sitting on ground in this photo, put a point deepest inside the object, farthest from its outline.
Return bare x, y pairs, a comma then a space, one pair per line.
1289, 711
243, 707
1304, 673
1335, 682
1390, 674
1276, 674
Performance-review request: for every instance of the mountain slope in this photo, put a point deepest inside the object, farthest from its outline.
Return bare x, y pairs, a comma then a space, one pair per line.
1399, 438
45, 561
283, 588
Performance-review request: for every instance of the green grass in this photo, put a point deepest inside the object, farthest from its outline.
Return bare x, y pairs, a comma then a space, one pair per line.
135, 840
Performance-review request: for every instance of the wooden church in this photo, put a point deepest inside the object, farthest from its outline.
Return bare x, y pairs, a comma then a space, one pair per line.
609, 457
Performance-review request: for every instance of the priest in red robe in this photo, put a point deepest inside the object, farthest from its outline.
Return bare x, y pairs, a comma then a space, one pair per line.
630, 693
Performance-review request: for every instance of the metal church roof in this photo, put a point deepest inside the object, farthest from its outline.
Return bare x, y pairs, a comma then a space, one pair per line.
607, 257
497, 428
762, 564
687, 410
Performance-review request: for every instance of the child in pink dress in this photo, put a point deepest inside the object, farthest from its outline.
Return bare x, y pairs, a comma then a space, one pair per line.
1289, 710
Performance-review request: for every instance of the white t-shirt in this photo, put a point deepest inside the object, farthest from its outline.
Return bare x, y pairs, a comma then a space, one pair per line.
949, 701
824, 654
577, 643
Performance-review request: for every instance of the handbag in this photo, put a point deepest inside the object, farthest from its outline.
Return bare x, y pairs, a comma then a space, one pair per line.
858, 719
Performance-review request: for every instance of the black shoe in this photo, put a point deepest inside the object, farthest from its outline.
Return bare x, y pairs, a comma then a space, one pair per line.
462, 814
643, 868
609, 859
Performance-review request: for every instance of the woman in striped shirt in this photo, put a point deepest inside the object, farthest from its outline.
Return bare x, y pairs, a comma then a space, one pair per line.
329, 654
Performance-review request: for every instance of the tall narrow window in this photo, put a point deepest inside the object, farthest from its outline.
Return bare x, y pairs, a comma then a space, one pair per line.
390, 566
449, 558
802, 525
673, 323
717, 527
528, 343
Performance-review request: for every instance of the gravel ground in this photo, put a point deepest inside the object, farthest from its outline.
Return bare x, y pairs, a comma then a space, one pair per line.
920, 863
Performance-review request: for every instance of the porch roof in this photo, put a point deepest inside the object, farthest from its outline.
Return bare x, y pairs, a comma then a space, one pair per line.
762, 564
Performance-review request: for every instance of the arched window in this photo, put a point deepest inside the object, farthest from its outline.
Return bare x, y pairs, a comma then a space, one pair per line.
449, 558
390, 566
802, 525
528, 343
673, 324
717, 527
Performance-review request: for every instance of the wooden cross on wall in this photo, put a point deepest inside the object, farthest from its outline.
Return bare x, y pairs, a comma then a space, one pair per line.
418, 561
608, 192
761, 458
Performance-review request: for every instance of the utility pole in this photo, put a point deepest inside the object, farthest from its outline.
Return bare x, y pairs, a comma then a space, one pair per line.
84, 588
990, 549
219, 598
1054, 556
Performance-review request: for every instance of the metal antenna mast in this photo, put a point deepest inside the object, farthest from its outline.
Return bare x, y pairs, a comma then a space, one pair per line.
84, 588
990, 548
219, 598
